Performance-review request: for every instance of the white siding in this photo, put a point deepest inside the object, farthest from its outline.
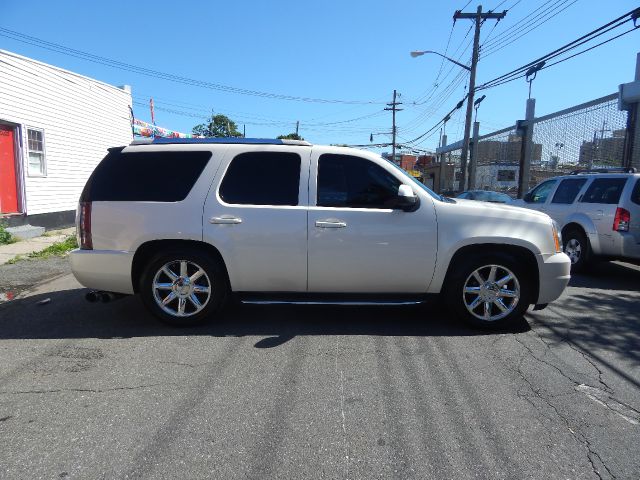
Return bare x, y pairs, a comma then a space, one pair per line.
80, 117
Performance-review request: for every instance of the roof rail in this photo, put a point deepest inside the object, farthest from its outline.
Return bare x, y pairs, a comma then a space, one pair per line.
605, 170
219, 140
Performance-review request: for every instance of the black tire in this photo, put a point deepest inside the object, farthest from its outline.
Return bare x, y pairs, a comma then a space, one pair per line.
576, 244
461, 276
186, 291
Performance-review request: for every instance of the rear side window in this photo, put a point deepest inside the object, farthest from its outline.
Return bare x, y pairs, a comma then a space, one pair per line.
604, 190
635, 195
262, 178
568, 190
145, 176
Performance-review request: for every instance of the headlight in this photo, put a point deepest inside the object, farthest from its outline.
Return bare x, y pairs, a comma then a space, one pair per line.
557, 237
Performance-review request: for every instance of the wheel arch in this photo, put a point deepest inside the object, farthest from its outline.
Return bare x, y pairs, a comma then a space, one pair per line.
148, 250
518, 252
583, 223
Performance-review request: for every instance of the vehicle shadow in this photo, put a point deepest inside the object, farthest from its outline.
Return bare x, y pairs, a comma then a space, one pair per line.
608, 276
68, 315
597, 325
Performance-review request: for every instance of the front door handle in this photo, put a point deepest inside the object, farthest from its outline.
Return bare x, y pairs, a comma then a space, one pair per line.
225, 220
330, 224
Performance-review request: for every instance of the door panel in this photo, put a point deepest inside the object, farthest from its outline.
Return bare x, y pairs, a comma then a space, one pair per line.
367, 250
264, 246
563, 201
8, 184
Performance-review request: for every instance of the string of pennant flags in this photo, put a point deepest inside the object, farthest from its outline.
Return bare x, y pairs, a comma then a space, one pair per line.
151, 130
145, 129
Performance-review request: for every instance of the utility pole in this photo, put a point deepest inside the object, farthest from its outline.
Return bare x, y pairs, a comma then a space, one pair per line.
297, 126
393, 106
478, 18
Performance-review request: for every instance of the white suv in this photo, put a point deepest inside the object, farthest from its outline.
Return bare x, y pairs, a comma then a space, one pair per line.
185, 223
598, 212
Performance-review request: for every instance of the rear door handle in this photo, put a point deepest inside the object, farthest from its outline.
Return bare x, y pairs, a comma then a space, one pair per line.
225, 220
330, 224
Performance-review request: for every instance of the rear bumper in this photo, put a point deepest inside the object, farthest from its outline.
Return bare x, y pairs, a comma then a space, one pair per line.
107, 270
555, 273
629, 247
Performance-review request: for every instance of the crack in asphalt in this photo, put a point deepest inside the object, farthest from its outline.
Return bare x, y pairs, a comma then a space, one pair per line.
89, 390
578, 436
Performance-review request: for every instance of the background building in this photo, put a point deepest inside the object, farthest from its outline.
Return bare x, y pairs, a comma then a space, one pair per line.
55, 126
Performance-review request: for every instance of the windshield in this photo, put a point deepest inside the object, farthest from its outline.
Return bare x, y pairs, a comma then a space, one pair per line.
416, 181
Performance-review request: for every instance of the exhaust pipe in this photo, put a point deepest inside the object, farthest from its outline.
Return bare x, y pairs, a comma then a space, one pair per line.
101, 296
92, 296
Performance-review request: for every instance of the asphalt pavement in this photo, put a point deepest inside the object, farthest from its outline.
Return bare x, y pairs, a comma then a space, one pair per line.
105, 391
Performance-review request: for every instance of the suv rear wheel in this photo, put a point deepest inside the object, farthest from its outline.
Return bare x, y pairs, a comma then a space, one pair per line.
576, 246
489, 291
184, 287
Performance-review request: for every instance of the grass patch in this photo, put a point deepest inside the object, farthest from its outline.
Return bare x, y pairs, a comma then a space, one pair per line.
5, 237
58, 249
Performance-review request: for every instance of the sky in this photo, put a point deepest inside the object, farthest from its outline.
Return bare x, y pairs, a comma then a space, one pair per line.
341, 60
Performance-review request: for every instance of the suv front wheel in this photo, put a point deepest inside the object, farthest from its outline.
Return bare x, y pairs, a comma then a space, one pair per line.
184, 287
489, 291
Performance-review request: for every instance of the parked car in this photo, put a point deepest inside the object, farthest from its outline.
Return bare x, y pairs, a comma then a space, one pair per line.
598, 212
186, 223
486, 196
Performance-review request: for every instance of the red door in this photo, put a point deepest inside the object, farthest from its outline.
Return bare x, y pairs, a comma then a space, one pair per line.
8, 185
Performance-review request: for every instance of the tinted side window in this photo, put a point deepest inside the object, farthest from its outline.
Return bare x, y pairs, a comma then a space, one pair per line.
635, 195
542, 191
262, 178
145, 176
604, 190
568, 190
348, 181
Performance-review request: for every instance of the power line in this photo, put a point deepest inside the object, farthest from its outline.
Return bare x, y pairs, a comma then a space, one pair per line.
20, 37
565, 48
567, 58
509, 40
524, 22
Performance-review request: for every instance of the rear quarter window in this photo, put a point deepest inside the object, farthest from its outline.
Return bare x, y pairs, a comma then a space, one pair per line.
145, 176
604, 190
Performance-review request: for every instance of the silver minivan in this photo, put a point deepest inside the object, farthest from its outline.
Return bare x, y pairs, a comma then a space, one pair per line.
598, 212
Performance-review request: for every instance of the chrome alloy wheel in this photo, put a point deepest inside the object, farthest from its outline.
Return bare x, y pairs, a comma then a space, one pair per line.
181, 294
574, 250
491, 293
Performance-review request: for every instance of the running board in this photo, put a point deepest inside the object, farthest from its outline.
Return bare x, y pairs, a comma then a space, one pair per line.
329, 302
359, 300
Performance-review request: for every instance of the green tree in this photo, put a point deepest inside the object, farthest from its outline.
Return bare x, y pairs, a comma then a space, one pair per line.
290, 136
217, 126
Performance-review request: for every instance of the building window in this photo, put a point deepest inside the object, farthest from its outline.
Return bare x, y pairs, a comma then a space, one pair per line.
37, 161
506, 175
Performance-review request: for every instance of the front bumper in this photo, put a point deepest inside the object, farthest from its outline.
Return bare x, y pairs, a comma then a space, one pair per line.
555, 273
107, 270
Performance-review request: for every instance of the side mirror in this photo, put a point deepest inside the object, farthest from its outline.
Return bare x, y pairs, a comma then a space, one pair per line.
527, 197
407, 200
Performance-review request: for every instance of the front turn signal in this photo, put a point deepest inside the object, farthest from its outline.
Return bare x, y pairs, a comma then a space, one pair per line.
556, 237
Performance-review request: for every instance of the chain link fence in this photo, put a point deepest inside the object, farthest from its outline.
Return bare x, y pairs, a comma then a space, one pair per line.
587, 136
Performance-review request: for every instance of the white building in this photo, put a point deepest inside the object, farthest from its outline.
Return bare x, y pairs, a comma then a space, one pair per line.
497, 176
55, 126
